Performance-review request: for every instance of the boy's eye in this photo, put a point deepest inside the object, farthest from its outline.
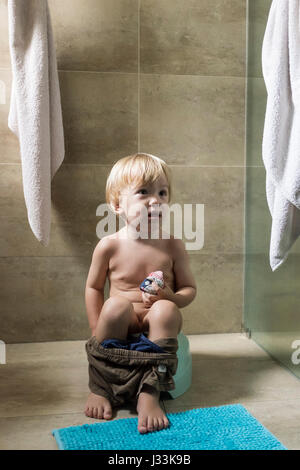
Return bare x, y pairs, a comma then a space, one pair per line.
163, 192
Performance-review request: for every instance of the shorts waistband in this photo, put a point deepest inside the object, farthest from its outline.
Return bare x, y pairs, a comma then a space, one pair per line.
170, 345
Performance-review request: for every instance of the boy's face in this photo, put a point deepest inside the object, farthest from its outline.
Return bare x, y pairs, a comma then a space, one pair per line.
144, 200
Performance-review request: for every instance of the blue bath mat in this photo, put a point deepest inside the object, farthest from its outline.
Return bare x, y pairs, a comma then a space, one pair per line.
226, 427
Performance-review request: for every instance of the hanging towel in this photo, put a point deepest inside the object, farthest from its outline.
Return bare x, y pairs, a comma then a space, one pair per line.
281, 136
35, 108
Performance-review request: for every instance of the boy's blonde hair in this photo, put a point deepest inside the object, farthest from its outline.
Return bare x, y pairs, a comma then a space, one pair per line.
137, 169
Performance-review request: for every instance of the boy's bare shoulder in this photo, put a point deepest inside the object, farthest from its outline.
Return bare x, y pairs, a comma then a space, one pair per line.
105, 246
177, 246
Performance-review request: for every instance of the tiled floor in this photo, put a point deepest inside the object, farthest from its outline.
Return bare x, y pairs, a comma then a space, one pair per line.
43, 386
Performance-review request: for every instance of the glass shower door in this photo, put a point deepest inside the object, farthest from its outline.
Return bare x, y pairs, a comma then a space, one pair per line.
271, 299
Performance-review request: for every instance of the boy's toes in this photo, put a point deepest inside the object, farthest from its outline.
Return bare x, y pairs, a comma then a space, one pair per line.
107, 414
155, 424
95, 413
160, 424
102, 412
98, 407
165, 422
142, 425
150, 425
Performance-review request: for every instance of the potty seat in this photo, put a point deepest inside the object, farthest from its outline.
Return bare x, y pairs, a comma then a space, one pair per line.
183, 376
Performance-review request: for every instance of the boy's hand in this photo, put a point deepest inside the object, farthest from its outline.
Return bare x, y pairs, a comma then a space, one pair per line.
165, 293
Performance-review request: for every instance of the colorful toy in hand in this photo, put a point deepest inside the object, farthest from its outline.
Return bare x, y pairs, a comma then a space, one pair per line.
156, 276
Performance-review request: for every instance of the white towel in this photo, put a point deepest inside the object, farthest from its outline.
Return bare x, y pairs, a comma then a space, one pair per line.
281, 137
35, 107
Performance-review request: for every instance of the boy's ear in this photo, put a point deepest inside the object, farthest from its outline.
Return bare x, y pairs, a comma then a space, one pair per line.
112, 207
117, 209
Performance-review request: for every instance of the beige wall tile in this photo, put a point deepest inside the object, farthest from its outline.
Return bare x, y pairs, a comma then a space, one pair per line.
68, 237
195, 37
42, 298
100, 114
4, 45
193, 120
77, 191
9, 143
218, 306
12, 202
96, 35
220, 189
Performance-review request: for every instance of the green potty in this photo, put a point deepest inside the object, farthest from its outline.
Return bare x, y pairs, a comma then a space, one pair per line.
183, 376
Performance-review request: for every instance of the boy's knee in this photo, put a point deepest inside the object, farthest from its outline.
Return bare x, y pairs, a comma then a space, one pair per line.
165, 311
117, 308
165, 305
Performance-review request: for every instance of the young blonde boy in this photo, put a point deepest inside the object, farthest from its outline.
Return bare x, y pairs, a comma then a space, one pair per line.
139, 183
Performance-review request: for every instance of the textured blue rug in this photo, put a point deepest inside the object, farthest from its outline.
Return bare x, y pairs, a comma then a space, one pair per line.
229, 427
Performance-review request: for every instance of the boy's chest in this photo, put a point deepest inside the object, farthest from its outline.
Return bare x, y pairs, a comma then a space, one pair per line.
131, 265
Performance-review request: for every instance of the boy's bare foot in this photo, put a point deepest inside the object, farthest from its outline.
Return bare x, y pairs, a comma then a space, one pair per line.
98, 407
150, 415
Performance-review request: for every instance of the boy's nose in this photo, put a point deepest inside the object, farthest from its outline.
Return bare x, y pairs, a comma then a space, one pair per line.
154, 201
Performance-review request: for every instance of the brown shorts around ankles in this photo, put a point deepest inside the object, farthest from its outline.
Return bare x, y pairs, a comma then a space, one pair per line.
119, 374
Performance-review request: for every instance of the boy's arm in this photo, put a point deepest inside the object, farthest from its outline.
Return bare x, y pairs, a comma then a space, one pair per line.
185, 283
94, 289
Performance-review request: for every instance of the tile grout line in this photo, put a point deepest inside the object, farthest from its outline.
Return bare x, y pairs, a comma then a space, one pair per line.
105, 165
190, 252
116, 72
243, 323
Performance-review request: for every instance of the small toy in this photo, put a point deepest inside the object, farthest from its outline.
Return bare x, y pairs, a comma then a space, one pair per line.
156, 276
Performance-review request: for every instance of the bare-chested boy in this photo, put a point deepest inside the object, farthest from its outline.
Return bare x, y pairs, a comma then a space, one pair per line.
137, 184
